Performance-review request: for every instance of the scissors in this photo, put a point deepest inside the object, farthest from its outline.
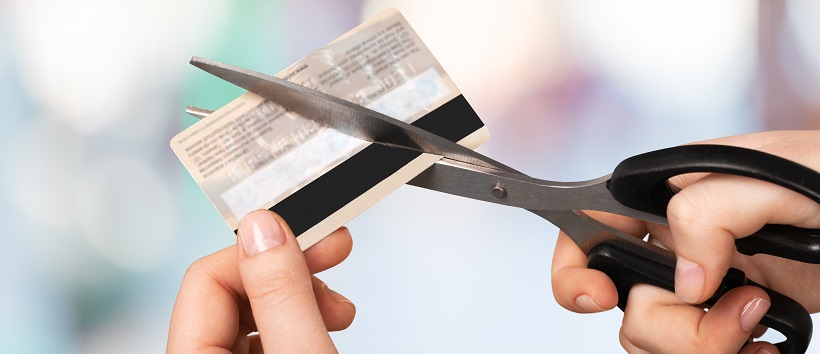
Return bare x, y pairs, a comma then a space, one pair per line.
637, 188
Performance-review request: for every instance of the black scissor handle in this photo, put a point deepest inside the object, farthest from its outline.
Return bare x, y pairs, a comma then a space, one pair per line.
640, 182
623, 263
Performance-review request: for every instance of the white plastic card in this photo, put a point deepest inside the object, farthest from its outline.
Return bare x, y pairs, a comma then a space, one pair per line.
252, 154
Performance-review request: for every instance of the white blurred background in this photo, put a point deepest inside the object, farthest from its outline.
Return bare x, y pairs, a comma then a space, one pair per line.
100, 220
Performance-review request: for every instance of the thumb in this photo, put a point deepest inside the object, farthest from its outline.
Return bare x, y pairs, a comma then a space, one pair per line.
278, 284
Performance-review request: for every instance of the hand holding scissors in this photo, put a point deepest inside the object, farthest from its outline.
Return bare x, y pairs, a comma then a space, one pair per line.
638, 189
706, 217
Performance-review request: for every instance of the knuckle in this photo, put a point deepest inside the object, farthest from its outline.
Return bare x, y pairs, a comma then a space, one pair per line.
630, 337
623, 340
218, 269
805, 211
558, 280
686, 207
205, 273
199, 269
632, 332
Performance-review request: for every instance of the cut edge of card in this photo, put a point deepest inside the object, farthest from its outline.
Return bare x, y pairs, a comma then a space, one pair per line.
366, 200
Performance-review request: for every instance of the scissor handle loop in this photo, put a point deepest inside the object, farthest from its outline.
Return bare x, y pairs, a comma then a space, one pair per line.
641, 182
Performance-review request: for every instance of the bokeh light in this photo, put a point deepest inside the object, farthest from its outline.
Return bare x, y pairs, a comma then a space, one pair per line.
100, 220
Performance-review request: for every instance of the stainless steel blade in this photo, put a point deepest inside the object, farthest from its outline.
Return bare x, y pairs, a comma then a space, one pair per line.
346, 117
560, 203
519, 190
198, 112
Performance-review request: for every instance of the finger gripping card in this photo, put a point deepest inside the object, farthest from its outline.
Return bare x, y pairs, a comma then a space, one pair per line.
252, 154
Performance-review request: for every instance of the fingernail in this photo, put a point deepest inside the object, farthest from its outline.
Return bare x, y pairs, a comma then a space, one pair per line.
336, 296
259, 232
753, 312
586, 303
689, 279
763, 351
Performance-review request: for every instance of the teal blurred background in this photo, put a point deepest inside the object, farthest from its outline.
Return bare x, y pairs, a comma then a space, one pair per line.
100, 220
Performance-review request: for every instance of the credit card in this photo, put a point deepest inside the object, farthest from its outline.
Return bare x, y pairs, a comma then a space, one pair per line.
252, 154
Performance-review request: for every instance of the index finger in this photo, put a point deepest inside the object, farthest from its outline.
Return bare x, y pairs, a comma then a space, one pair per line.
211, 283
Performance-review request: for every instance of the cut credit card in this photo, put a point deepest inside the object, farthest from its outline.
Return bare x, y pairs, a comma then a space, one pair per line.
253, 154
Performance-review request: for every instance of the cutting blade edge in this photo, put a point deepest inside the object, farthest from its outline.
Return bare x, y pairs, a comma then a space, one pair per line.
346, 117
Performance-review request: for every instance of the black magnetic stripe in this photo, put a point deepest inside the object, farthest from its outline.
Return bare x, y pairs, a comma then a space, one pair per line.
454, 120
336, 188
339, 186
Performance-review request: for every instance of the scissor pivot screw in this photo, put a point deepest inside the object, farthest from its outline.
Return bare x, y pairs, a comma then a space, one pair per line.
499, 191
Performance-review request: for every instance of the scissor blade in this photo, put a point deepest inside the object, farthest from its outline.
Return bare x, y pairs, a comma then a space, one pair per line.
346, 117
198, 112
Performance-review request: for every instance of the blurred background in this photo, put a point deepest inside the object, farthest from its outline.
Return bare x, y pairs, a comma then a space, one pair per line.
100, 220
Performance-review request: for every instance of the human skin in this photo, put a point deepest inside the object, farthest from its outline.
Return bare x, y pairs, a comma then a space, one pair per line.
705, 218
263, 284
